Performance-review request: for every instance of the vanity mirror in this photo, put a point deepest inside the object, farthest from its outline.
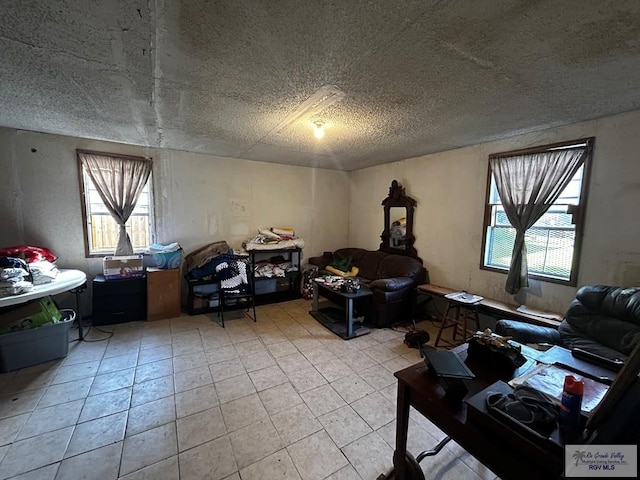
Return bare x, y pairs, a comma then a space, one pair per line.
397, 236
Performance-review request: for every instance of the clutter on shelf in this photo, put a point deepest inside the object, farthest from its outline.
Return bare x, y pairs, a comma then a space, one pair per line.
274, 267
274, 238
338, 282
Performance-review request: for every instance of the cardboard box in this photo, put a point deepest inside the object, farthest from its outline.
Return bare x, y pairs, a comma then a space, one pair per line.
122, 267
30, 315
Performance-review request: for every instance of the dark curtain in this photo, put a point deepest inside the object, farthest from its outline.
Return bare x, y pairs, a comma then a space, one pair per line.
119, 182
528, 185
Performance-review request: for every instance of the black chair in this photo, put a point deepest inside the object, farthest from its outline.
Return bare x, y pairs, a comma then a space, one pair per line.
235, 294
603, 320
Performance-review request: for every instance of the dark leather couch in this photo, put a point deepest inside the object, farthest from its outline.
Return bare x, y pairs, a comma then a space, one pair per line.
602, 319
391, 278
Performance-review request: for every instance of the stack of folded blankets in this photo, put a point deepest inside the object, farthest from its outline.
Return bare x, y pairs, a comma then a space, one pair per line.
23, 266
43, 272
284, 232
14, 277
277, 267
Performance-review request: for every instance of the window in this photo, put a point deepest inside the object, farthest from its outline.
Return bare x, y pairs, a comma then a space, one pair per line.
553, 242
101, 230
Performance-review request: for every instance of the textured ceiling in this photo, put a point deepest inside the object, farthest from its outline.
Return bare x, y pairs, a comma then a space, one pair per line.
218, 77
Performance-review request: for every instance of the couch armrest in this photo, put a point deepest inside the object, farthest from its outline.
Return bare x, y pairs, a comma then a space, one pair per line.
391, 284
526, 333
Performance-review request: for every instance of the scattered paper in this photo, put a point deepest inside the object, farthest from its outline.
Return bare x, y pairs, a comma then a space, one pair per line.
536, 313
464, 297
549, 379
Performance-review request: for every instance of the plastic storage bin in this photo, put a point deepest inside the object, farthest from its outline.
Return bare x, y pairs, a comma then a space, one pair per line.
36, 345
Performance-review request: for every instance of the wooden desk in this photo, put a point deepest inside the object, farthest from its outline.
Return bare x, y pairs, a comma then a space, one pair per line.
497, 308
419, 389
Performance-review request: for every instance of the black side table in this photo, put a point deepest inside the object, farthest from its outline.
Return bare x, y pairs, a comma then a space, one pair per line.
118, 301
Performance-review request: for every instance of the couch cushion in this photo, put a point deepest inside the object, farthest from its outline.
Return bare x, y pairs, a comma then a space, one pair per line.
354, 254
607, 315
618, 302
572, 338
369, 264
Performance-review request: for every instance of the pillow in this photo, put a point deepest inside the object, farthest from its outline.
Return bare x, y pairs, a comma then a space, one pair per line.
269, 234
351, 273
289, 232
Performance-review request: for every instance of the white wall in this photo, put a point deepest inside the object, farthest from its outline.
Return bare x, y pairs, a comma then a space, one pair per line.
450, 190
198, 198
201, 198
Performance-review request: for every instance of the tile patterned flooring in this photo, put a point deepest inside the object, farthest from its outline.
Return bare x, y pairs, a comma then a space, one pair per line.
185, 399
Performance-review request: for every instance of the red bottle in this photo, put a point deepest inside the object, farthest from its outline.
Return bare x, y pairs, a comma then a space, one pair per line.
571, 401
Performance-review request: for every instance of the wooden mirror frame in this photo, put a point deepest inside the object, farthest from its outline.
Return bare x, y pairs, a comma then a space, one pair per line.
398, 198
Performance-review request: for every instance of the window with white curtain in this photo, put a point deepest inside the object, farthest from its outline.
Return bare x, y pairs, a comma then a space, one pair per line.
101, 230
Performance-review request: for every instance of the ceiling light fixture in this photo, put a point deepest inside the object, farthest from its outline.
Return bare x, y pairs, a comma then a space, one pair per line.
326, 96
318, 130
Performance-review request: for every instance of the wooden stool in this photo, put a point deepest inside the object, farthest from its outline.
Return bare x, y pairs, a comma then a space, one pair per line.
456, 316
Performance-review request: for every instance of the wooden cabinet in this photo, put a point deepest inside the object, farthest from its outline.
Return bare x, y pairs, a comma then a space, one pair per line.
163, 293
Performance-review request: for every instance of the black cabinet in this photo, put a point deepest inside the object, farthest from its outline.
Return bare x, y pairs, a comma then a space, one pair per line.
282, 285
117, 301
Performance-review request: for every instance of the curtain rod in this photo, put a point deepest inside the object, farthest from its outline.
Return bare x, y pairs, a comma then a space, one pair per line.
586, 142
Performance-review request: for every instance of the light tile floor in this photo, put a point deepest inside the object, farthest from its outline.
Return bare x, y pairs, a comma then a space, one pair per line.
282, 398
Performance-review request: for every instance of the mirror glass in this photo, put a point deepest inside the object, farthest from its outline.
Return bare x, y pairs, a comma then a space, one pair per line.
398, 227
397, 237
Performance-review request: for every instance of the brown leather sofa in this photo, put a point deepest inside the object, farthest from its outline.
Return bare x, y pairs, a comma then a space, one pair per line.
391, 278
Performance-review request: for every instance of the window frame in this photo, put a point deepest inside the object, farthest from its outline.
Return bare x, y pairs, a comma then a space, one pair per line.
578, 212
83, 201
